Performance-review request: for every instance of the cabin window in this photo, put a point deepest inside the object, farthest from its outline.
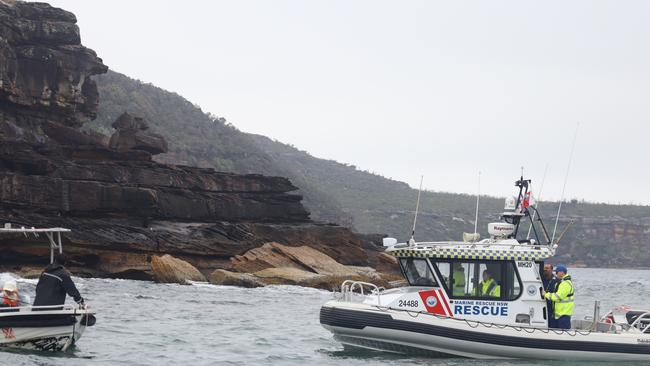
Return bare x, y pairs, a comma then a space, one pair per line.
417, 272
495, 280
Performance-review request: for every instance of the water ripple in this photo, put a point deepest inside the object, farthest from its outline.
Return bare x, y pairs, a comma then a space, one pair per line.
143, 323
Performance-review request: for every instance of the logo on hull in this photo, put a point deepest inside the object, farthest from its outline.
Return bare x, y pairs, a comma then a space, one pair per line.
431, 301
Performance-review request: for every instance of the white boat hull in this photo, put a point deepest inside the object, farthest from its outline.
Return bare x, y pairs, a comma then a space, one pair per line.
23, 331
397, 331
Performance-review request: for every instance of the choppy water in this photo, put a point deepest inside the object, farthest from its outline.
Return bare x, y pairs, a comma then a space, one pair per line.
143, 323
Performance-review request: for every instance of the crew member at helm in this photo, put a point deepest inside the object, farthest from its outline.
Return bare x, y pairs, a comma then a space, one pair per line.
489, 287
10, 295
562, 298
55, 283
458, 286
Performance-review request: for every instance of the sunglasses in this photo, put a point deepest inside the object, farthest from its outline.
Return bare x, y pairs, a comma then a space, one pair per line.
9, 292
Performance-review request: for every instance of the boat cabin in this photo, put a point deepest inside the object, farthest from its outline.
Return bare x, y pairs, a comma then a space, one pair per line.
496, 280
485, 281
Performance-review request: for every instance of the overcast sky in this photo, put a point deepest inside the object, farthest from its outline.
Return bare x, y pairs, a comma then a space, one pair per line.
410, 88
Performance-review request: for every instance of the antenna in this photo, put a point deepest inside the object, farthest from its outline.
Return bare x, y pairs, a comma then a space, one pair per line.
539, 197
478, 197
566, 177
417, 208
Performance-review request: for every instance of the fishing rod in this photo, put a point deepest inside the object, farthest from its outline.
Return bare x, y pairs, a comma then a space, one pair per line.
566, 177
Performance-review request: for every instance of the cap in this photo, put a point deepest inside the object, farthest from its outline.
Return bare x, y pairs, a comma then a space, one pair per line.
560, 268
10, 286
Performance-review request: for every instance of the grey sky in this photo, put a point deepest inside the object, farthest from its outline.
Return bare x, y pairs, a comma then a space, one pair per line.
404, 88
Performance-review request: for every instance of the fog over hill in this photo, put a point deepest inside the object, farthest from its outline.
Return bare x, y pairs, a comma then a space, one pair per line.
345, 194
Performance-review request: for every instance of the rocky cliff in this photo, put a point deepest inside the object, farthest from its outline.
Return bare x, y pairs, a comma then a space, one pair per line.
122, 206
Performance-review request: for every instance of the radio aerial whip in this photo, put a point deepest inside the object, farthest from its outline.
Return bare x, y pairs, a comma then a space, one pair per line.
478, 197
566, 177
417, 208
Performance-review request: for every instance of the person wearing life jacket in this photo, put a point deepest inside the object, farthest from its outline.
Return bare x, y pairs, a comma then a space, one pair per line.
54, 283
10, 298
562, 298
549, 283
489, 287
458, 287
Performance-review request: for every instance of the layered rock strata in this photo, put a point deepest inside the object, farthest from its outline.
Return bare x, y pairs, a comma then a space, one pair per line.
123, 208
274, 263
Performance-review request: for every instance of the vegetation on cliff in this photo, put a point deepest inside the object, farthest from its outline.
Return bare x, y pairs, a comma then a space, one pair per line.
341, 193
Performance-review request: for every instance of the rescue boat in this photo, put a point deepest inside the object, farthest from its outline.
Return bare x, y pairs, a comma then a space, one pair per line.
480, 299
42, 328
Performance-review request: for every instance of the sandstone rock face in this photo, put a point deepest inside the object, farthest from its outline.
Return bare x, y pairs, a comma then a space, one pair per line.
169, 269
277, 264
275, 255
131, 135
43, 66
227, 278
123, 207
387, 263
286, 276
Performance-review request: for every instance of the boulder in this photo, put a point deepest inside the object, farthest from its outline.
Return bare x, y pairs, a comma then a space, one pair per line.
386, 263
275, 255
368, 273
286, 276
127, 122
132, 134
277, 264
169, 269
227, 278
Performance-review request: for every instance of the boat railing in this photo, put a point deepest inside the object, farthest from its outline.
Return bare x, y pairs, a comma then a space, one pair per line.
483, 243
642, 322
351, 287
43, 308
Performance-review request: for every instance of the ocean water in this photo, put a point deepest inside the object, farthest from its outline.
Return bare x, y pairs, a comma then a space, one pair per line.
144, 323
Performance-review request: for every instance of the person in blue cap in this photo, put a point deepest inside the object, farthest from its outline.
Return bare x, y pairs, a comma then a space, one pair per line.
562, 298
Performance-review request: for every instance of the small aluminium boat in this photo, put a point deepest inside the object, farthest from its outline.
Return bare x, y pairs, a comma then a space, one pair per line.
480, 299
42, 328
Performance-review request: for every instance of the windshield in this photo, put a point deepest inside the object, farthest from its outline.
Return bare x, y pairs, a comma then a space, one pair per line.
417, 272
476, 279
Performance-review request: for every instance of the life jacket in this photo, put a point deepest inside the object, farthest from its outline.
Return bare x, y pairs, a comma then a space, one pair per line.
9, 302
490, 288
459, 282
563, 298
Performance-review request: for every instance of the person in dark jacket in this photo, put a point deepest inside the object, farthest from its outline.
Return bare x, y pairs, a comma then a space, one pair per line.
55, 283
550, 285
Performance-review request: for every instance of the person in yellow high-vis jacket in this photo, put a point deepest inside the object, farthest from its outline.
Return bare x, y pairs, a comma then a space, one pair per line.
562, 298
489, 287
458, 285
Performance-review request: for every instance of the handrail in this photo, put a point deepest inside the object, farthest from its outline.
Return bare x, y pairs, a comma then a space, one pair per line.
348, 287
482, 243
25, 309
637, 322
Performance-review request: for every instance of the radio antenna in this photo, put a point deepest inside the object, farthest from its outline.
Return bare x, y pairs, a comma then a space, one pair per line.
478, 197
417, 208
566, 177
539, 197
